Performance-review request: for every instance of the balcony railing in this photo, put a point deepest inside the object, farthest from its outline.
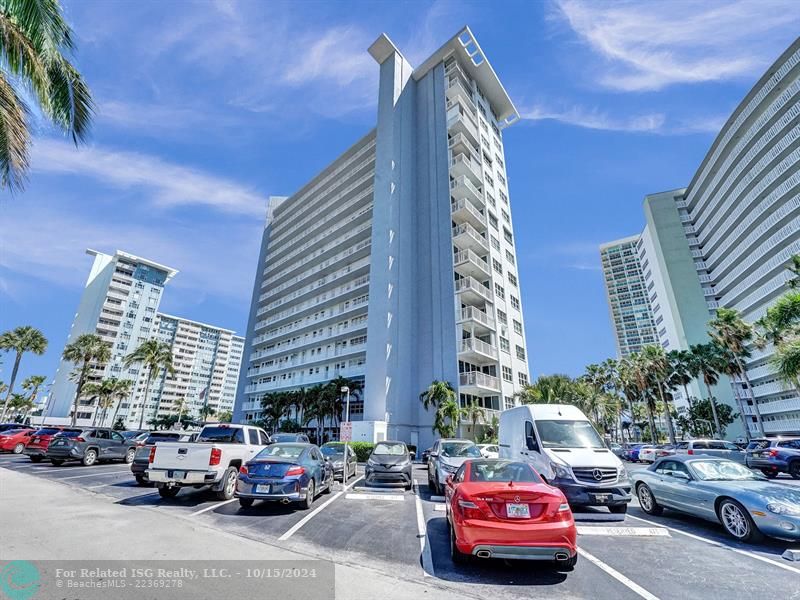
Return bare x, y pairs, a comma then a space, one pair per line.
476, 345
463, 187
468, 257
469, 212
474, 314
465, 229
470, 284
478, 379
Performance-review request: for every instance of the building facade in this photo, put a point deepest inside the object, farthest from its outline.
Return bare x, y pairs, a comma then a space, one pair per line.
397, 263
631, 314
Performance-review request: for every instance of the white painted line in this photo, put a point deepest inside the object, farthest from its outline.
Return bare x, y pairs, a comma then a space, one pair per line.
422, 534
623, 531
631, 585
437, 498
91, 475
212, 507
721, 545
440, 507
296, 527
363, 496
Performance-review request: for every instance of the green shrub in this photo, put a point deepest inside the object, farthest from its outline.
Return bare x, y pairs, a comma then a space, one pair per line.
362, 450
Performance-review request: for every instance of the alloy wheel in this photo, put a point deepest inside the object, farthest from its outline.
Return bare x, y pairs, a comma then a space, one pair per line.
734, 520
645, 498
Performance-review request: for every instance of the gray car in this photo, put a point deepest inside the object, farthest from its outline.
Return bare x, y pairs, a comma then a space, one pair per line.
390, 462
716, 448
334, 451
90, 446
444, 459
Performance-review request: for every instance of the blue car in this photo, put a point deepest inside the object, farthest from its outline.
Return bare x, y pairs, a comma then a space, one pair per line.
772, 457
716, 489
287, 473
632, 452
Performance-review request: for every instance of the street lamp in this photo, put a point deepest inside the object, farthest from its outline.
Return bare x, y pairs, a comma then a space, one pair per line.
345, 466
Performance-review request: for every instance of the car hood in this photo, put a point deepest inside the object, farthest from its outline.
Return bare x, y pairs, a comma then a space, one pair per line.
389, 459
583, 457
456, 461
768, 490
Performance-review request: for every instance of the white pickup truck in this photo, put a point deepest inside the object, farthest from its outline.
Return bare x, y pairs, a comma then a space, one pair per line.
212, 460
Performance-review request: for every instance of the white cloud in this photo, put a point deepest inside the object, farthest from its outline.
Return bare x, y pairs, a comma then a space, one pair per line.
169, 185
651, 45
595, 118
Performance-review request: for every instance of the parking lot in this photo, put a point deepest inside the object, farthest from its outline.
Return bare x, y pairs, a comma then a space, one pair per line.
404, 534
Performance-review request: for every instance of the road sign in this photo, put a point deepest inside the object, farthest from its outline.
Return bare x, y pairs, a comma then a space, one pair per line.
346, 431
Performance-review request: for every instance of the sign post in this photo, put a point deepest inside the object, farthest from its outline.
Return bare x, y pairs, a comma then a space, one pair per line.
346, 434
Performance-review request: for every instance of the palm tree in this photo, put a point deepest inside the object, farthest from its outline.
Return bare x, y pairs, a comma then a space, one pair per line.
679, 371
123, 388
20, 404
732, 333
659, 370
205, 411
706, 362
102, 392
781, 320
34, 42
154, 356
88, 348
447, 417
32, 385
25, 338
730, 367
548, 389
474, 413
437, 393
642, 381
786, 362
794, 269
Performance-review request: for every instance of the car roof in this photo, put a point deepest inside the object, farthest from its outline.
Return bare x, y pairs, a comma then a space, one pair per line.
456, 440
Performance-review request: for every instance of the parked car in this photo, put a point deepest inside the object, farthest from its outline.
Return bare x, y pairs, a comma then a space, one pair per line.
425, 455
562, 445
649, 454
285, 472
334, 451
10, 426
716, 489
90, 446
617, 449
446, 456
389, 462
36, 448
716, 448
212, 460
141, 459
489, 450
14, 440
499, 508
300, 438
775, 456
137, 435
632, 452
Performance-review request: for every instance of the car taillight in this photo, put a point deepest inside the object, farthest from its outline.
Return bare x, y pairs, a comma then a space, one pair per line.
216, 455
690, 451
78, 439
773, 452
152, 456
243, 470
470, 509
295, 471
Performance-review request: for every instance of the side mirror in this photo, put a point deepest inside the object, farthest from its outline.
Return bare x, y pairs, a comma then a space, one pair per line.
433, 455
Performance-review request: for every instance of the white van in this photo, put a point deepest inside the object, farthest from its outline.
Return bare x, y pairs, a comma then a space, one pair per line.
563, 446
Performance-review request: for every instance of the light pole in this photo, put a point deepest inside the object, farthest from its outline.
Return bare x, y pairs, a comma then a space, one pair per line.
345, 465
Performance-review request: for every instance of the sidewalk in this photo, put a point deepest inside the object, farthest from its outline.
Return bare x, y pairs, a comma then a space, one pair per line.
46, 520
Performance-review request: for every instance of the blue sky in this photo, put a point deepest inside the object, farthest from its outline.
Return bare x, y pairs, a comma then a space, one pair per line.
207, 108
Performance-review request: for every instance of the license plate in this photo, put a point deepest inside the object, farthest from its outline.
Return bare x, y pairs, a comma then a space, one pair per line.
178, 474
518, 511
262, 489
602, 498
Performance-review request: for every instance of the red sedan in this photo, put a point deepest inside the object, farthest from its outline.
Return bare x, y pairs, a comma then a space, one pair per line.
14, 440
502, 509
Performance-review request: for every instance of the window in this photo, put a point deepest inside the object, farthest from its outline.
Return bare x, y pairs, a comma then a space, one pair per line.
508, 236
506, 216
523, 378
499, 291
495, 243
517, 327
530, 438
508, 375
504, 345
512, 279
502, 317
253, 435
504, 198
520, 352
508, 402
492, 220
515, 302
498, 266
489, 180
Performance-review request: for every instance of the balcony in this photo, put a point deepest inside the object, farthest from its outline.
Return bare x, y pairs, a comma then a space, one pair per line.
459, 143
462, 187
775, 406
464, 164
472, 292
476, 320
466, 237
475, 351
469, 264
464, 211
478, 384
457, 90
790, 426
459, 120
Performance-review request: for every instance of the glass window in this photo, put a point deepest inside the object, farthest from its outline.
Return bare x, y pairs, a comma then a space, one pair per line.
460, 449
221, 434
568, 434
502, 471
508, 375
530, 438
282, 451
790, 444
517, 327
390, 449
504, 345
117, 437
502, 317
520, 352
522, 378
253, 435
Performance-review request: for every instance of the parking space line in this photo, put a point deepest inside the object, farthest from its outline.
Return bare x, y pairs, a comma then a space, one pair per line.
90, 475
212, 507
439, 507
296, 527
363, 496
422, 534
628, 583
623, 531
721, 545
436, 498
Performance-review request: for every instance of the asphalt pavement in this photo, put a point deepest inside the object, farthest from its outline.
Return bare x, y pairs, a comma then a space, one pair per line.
400, 540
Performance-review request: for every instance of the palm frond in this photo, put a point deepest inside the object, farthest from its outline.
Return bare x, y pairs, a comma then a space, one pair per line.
14, 137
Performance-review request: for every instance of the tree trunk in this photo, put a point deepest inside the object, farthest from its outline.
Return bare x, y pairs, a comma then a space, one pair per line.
158, 401
94, 416
11, 384
119, 402
668, 415
713, 409
78, 392
146, 394
741, 411
652, 422
688, 397
746, 379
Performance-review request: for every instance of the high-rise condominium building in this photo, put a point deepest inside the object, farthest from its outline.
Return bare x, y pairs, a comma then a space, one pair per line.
396, 265
631, 314
120, 304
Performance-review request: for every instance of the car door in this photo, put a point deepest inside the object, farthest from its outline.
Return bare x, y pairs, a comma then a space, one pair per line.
434, 454
675, 489
659, 485
118, 445
102, 440
698, 448
734, 453
717, 449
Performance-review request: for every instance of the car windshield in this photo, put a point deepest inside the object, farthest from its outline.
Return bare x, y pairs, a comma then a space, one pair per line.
723, 470
281, 451
284, 437
390, 449
568, 434
332, 450
758, 444
130, 434
502, 471
69, 434
219, 434
460, 450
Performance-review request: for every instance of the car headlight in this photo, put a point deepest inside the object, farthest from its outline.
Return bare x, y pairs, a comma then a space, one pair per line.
371, 462
449, 468
338, 463
623, 473
779, 508
561, 471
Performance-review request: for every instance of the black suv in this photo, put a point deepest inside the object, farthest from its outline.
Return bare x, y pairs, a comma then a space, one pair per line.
90, 446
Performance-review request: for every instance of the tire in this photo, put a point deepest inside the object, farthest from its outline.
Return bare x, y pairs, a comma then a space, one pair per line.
456, 555
36, 459
246, 502
309, 500
329, 486
794, 469
57, 462
18, 448
619, 509
647, 500
228, 484
129, 455
168, 492
737, 521
769, 473
89, 457
567, 565
431, 485
140, 480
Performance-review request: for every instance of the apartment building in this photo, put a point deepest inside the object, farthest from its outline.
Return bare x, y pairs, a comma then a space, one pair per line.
397, 264
631, 314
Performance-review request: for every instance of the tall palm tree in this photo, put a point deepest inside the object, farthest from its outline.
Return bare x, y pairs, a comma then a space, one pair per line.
448, 416
123, 388
640, 376
659, 370
437, 393
730, 367
21, 339
102, 392
87, 349
204, 411
733, 333
32, 385
786, 362
794, 269
20, 404
549, 389
155, 356
680, 374
35, 41
781, 320
706, 363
